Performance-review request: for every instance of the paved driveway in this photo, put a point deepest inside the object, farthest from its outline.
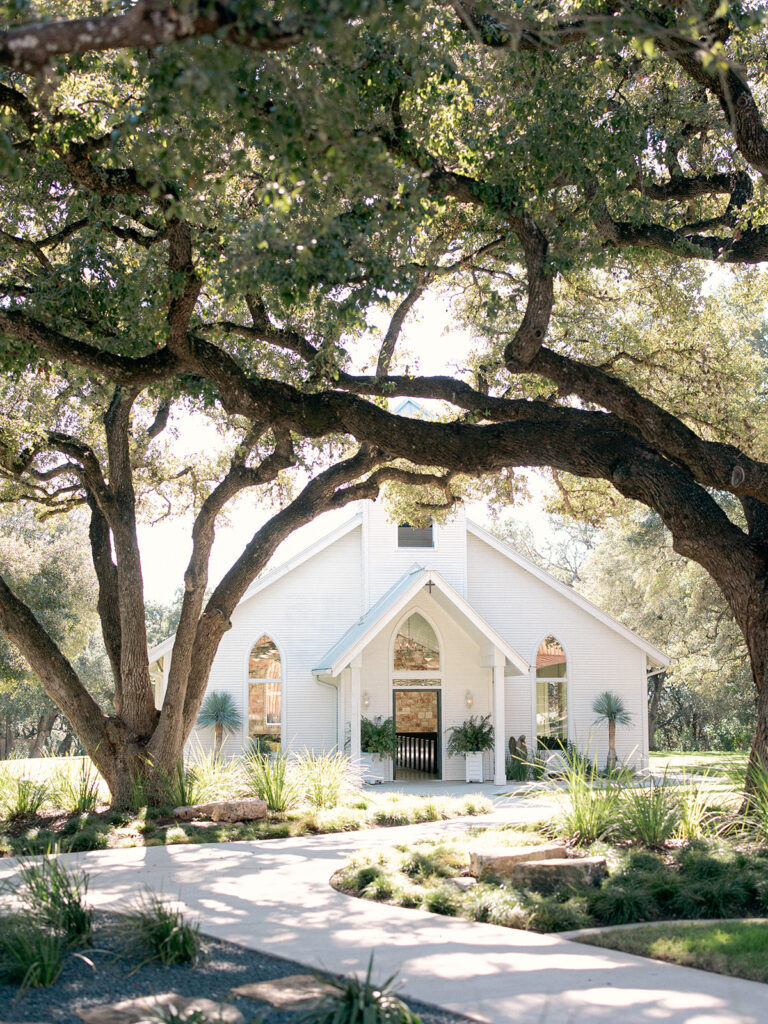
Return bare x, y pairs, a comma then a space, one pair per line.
274, 896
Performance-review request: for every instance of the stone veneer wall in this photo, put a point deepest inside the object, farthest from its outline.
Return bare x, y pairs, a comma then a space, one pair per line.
416, 712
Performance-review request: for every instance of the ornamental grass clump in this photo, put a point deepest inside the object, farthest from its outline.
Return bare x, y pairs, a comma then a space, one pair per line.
325, 778
76, 792
22, 797
360, 1001
156, 931
56, 896
271, 779
756, 817
31, 953
588, 804
697, 810
650, 813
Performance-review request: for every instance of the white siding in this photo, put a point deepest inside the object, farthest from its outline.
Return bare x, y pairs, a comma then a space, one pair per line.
524, 610
309, 608
385, 563
304, 612
460, 671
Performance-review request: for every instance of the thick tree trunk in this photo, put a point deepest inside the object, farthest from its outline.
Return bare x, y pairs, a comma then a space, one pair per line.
611, 746
45, 726
657, 688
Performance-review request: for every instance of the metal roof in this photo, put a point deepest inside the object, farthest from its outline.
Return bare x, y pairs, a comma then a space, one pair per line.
387, 607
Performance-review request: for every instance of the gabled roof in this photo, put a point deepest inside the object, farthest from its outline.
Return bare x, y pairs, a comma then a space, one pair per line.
389, 606
654, 655
275, 574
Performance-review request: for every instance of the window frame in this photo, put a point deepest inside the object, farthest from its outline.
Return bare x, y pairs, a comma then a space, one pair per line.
564, 679
402, 677
415, 547
259, 682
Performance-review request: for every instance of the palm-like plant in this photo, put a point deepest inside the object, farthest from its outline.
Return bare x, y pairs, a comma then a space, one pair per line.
219, 712
610, 707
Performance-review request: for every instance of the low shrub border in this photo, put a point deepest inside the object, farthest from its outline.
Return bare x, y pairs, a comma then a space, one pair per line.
694, 880
157, 827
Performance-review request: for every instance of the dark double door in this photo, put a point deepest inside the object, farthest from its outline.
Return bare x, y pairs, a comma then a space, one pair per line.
417, 725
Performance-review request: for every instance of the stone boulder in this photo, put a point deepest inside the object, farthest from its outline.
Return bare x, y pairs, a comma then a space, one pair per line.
247, 809
562, 873
502, 859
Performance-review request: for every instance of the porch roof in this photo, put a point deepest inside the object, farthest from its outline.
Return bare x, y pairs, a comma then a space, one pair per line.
389, 605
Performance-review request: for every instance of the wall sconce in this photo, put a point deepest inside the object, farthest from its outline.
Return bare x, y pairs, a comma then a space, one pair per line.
469, 700
365, 700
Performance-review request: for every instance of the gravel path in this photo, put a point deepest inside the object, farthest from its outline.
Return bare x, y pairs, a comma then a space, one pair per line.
108, 978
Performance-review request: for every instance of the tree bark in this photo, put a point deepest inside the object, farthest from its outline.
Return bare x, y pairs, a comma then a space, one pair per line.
43, 732
612, 758
657, 688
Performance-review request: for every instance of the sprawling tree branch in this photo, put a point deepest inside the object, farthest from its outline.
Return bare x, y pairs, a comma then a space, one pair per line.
147, 25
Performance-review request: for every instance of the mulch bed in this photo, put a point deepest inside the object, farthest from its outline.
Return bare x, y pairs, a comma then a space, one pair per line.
99, 975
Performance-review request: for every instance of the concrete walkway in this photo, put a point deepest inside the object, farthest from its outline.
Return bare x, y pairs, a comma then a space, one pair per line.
274, 896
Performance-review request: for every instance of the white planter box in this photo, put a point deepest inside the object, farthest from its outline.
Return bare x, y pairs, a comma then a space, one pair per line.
376, 768
474, 766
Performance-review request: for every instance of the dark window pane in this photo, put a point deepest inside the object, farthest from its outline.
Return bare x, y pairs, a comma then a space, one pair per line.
414, 536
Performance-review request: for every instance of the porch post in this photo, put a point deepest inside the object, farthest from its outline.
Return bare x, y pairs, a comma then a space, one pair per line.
499, 722
354, 712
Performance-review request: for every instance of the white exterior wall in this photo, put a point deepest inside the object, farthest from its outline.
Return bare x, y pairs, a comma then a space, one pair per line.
460, 671
385, 563
524, 610
306, 610
303, 612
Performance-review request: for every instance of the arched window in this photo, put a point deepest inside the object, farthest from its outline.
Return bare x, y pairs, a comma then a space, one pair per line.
265, 683
551, 694
416, 646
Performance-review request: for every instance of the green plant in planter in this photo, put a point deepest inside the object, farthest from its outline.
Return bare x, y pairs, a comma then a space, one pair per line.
471, 737
377, 736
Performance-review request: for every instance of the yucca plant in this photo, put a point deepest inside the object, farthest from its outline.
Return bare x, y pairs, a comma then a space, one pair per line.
360, 1001
220, 713
610, 707
271, 779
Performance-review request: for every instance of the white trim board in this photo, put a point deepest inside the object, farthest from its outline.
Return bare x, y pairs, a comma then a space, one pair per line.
389, 607
654, 655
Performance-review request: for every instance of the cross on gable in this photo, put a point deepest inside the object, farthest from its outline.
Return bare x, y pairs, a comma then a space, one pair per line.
429, 586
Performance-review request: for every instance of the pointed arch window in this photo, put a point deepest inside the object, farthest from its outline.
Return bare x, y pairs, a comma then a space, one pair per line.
551, 694
265, 686
416, 646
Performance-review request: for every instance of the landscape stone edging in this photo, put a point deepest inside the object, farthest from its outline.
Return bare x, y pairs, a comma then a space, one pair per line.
601, 929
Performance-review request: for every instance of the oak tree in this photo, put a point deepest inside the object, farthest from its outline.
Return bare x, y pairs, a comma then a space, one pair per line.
209, 206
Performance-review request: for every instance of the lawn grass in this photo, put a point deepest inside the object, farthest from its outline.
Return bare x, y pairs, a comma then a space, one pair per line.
712, 762
738, 948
